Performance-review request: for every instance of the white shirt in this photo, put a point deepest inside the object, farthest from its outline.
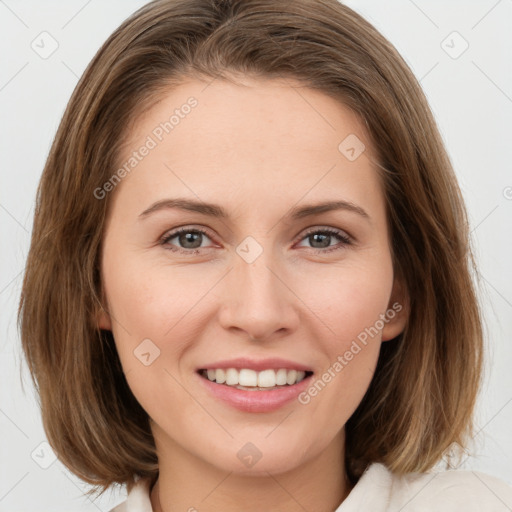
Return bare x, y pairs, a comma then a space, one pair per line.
378, 490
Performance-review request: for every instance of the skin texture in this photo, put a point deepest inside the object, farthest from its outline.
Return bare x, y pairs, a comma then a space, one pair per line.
258, 149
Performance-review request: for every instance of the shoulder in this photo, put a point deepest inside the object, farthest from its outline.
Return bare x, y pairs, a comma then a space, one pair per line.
451, 490
380, 490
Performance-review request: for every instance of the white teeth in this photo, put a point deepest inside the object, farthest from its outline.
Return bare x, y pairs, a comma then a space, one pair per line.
267, 379
281, 377
291, 377
251, 378
247, 378
231, 377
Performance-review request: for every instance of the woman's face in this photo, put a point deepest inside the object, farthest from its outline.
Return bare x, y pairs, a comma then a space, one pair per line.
275, 281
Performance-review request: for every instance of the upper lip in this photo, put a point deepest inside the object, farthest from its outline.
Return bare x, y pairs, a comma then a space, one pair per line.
274, 363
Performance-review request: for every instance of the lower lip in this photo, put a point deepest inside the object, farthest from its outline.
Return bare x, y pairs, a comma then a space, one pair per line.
256, 401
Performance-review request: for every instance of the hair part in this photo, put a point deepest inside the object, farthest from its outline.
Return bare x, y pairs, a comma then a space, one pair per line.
423, 393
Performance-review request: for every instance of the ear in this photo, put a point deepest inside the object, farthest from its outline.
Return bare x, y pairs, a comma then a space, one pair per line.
103, 320
102, 317
397, 313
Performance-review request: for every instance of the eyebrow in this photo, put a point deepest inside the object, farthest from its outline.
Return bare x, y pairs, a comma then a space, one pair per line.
215, 210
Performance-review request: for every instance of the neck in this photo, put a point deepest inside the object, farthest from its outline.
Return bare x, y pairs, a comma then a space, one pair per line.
188, 483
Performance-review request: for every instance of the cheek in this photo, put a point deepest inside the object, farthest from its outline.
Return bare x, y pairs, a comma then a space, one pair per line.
351, 306
339, 304
152, 304
347, 298
151, 301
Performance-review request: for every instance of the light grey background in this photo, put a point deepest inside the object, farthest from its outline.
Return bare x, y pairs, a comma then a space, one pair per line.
470, 94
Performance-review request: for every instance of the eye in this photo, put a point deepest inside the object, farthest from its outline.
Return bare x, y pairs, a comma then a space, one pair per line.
190, 240
321, 239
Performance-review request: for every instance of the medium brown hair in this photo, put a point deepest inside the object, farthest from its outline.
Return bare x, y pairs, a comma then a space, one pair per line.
423, 393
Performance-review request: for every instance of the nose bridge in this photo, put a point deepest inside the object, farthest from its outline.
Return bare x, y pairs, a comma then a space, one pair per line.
257, 300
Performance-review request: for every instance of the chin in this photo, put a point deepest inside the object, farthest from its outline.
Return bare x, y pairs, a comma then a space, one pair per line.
258, 457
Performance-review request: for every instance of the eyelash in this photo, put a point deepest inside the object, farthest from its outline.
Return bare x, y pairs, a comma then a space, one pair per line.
345, 239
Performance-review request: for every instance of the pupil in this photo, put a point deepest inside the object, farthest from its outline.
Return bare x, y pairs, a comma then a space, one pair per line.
185, 238
325, 241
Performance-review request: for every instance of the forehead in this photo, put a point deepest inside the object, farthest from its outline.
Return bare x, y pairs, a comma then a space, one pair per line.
251, 110
270, 137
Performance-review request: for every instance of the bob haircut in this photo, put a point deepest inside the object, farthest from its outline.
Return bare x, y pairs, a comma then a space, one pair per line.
423, 393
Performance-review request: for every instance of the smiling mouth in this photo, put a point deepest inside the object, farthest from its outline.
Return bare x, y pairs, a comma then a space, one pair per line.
251, 380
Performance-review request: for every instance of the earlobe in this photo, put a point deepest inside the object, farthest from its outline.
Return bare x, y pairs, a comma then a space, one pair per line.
397, 313
103, 320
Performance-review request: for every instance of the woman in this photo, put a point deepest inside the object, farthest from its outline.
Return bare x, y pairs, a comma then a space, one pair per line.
255, 367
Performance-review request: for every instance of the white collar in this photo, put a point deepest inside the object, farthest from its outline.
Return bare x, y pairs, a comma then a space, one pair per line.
139, 497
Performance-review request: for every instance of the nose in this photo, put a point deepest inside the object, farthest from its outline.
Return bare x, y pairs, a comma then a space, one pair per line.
258, 300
